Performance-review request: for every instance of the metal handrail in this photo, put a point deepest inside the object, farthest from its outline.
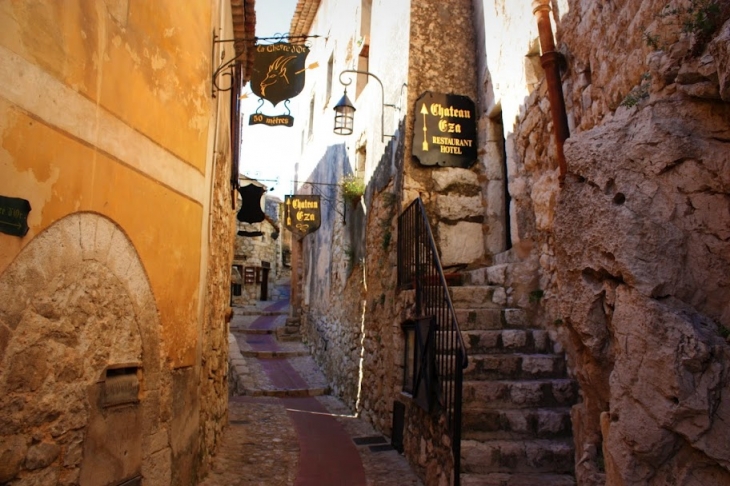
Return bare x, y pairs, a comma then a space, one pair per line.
419, 268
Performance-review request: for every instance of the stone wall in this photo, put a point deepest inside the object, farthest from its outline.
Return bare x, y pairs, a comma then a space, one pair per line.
251, 251
631, 252
214, 339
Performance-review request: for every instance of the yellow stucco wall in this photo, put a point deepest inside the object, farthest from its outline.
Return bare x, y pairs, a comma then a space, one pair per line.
108, 112
146, 62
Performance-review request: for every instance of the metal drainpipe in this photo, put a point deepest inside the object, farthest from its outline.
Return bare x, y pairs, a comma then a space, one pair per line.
550, 61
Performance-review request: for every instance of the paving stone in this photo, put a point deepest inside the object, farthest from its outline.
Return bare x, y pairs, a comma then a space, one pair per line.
261, 445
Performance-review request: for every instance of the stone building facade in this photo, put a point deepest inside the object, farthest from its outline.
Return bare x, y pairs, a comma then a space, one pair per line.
113, 334
614, 244
258, 259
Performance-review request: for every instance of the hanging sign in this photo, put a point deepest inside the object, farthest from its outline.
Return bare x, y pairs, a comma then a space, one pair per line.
252, 210
14, 215
302, 214
445, 131
278, 74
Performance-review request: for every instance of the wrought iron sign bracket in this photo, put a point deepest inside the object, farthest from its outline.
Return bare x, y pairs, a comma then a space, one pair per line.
382, 98
226, 68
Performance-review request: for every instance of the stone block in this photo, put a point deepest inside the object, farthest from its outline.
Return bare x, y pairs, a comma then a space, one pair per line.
516, 318
512, 338
459, 207
41, 455
496, 274
461, 243
450, 176
472, 297
12, 453
541, 340
553, 422
500, 296
105, 230
122, 255
156, 468
542, 365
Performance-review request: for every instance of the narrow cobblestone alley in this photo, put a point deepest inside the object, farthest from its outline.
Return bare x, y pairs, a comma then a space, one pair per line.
284, 427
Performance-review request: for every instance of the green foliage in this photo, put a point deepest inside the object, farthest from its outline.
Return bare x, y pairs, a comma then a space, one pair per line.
389, 199
639, 93
349, 255
700, 18
386, 239
353, 187
558, 322
536, 296
652, 40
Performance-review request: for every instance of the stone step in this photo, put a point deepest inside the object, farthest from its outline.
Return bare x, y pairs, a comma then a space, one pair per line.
514, 366
493, 275
478, 319
273, 354
239, 330
518, 456
507, 479
473, 319
474, 297
524, 423
287, 392
508, 341
499, 395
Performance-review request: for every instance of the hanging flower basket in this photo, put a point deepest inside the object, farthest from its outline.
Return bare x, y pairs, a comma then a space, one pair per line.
353, 188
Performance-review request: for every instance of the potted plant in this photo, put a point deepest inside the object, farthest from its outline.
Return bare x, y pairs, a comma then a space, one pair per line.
353, 187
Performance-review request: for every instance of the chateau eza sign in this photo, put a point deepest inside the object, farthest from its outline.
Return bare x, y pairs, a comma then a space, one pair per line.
445, 132
302, 214
278, 74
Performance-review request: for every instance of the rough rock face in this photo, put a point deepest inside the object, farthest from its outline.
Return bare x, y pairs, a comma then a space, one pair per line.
644, 274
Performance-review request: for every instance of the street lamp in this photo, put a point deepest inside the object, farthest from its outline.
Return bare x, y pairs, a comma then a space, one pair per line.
344, 115
345, 111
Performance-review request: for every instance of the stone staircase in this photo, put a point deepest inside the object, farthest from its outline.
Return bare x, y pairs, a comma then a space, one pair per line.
265, 359
516, 428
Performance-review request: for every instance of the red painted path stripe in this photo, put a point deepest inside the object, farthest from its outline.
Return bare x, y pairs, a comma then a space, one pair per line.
327, 455
264, 322
282, 374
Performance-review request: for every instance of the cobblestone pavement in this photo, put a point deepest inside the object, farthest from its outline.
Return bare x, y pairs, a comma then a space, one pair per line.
284, 429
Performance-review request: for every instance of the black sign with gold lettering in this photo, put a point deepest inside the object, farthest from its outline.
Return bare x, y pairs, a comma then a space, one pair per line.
14, 215
445, 131
302, 214
278, 71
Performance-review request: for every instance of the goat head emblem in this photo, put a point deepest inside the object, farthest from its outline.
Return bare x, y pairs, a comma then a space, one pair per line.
277, 71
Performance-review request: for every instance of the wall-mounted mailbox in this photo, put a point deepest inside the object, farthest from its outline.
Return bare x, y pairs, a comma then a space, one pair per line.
120, 387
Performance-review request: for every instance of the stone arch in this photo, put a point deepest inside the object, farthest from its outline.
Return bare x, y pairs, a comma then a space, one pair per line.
75, 303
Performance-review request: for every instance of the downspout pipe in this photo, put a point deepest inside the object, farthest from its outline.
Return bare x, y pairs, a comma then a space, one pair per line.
550, 61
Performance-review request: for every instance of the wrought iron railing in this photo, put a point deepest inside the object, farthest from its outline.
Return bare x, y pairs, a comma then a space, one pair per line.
419, 268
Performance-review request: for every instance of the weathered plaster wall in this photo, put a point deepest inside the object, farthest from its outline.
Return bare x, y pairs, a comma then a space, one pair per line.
88, 81
107, 127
